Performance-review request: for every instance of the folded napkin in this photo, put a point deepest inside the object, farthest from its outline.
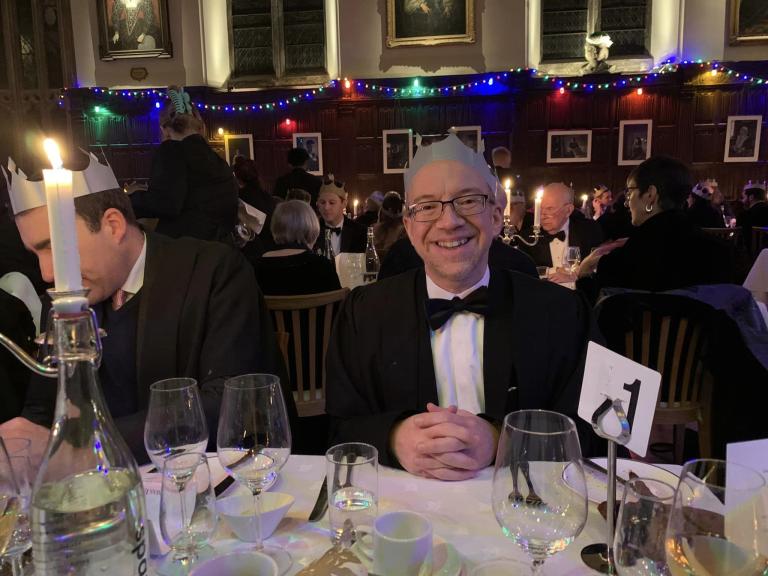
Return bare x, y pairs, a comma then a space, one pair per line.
337, 561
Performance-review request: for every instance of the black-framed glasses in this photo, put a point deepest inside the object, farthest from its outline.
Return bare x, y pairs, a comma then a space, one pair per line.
463, 206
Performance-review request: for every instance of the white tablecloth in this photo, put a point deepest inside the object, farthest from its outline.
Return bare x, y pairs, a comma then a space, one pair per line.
757, 282
460, 512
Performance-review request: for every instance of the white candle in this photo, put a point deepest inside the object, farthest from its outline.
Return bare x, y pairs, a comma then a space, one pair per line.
537, 207
61, 220
584, 199
355, 202
508, 192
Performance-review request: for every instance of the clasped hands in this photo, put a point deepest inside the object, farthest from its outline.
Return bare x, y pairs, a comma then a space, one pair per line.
444, 443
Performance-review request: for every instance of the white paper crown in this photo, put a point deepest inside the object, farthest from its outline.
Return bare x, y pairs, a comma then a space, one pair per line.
752, 185
450, 148
27, 194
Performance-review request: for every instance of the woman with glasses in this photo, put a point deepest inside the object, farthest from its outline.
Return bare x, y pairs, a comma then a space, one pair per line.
666, 250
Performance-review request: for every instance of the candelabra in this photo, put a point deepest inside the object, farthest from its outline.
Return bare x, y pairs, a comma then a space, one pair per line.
509, 233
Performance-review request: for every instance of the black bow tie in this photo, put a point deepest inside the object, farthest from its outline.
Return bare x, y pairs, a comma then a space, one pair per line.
334, 230
439, 310
560, 236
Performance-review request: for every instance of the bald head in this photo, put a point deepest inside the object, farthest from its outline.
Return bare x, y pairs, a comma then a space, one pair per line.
556, 206
501, 157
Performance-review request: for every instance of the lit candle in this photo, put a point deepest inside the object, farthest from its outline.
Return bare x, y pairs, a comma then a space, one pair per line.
508, 192
61, 220
355, 202
537, 208
584, 199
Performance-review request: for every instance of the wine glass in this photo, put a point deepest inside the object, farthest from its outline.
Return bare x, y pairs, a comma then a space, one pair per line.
531, 500
572, 258
188, 515
638, 548
15, 533
175, 420
718, 524
254, 442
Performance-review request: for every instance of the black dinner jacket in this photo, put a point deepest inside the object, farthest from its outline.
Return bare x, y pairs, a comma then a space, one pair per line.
584, 233
298, 178
380, 367
354, 236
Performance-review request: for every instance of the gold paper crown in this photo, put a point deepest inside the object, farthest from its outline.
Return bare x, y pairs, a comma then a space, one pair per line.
450, 148
27, 194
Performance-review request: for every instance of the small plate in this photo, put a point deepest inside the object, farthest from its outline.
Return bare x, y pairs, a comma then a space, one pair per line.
597, 482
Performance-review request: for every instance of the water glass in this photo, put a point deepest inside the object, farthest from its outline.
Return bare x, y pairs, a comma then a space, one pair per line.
254, 442
638, 548
175, 420
719, 522
543, 272
353, 488
530, 498
15, 532
572, 258
188, 516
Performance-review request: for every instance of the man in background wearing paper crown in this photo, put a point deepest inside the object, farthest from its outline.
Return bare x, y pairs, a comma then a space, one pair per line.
346, 234
424, 365
699, 209
170, 307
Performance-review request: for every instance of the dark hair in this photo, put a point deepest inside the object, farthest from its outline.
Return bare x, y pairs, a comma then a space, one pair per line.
671, 178
297, 157
391, 206
756, 193
91, 207
298, 194
247, 171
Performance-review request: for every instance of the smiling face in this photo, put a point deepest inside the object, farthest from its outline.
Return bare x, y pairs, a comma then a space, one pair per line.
454, 248
104, 259
331, 208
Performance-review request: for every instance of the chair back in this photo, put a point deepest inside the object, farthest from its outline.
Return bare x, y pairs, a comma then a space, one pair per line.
669, 334
303, 330
759, 239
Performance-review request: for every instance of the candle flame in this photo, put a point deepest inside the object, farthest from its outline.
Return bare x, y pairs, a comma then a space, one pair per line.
507, 184
52, 150
584, 197
539, 193
355, 201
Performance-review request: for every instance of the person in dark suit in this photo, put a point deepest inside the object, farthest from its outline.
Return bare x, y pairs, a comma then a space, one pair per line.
561, 229
371, 214
15, 323
298, 177
666, 251
171, 307
414, 383
756, 213
191, 189
346, 234
252, 193
699, 209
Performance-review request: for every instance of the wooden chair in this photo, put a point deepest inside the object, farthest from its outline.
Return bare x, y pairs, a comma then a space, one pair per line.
669, 334
303, 330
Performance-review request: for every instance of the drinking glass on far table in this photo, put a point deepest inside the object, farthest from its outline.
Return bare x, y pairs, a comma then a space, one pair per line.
175, 420
543, 272
638, 547
531, 500
353, 488
572, 258
254, 442
718, 524
15, 533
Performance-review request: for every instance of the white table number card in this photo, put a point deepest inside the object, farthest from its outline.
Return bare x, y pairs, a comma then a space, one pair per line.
610, 375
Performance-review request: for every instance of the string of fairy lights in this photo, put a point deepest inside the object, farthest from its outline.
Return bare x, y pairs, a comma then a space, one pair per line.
481, 84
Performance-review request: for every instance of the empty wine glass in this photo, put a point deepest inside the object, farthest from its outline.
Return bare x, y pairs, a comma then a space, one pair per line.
15, 533
531, 500
638, 547
175, 420
718, 523
572, 258
188, 516
254, 442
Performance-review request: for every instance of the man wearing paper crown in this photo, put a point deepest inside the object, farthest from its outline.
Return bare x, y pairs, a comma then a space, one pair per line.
424, 365
170, 307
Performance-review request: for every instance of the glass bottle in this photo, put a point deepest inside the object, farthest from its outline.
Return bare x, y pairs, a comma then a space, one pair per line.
329, 252
87, 509
371, 259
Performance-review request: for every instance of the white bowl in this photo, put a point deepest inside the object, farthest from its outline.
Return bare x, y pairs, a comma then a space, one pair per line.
237, 564
238, 510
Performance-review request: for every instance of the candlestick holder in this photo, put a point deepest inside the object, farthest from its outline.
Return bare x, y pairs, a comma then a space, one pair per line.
599, 556
509, 233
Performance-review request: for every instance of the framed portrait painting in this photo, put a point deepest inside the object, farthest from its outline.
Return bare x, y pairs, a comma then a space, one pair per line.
742, 138
749, 22
238, 145
134, 29
569, 146
430, 22
312, 142
397, 150
470, 135
634, 141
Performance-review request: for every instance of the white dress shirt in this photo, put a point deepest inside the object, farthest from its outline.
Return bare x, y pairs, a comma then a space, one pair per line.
135, 279
557, 248
457, 353
336, 238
